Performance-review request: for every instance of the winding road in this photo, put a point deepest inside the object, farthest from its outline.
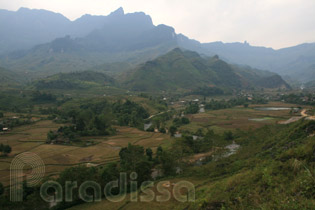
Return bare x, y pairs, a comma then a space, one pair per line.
294, 119
304, 114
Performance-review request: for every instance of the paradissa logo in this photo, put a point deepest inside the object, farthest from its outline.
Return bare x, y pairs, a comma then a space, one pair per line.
91, 191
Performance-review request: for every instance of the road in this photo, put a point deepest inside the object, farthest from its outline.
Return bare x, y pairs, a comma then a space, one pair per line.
294, 119
156, 115
304, 114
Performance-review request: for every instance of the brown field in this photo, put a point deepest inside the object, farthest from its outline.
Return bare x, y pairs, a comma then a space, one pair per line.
238, 118
31, 138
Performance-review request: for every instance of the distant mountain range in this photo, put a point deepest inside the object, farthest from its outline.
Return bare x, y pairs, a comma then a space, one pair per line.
26, 28
51, 43
177, 70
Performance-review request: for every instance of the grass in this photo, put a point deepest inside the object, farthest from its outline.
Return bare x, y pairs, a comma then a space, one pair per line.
172, 203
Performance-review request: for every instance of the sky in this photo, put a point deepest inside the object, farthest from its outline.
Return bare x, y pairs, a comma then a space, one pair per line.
269, 23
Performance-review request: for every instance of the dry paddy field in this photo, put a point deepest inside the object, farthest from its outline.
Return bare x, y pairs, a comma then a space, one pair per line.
239, 117
31, 138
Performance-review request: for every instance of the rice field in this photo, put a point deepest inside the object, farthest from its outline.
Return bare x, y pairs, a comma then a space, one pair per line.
32, 138
239, 118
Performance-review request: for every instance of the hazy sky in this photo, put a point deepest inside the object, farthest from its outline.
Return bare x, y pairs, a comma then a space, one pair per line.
271, 23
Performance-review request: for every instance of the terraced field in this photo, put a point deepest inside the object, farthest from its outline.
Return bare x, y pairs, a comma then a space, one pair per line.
32, 138
239, 118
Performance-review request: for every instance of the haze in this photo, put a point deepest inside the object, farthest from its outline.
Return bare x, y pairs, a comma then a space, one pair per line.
270, 23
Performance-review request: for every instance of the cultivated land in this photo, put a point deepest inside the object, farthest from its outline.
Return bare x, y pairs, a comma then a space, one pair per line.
239, 118
32, 138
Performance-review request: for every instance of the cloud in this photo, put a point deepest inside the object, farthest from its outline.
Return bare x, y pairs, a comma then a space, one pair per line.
272, 23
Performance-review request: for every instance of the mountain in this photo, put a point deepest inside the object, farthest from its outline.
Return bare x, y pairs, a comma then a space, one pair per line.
130, 38
96, 41
26, 28
187, 70
74, 80
261, 78
297, 62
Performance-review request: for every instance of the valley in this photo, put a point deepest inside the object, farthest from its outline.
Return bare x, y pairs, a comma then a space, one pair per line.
115, 112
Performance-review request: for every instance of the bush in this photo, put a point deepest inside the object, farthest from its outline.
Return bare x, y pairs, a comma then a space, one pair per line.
228, 135
185, 120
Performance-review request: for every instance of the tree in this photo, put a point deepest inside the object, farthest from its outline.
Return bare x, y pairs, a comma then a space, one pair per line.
168, 163
192, 109
228, 135
130, 156
149, 153
1, 115
150, 129
159, 152
109, 173
143, 170
172, 130
78, 174
199, 132
51, 136
185, 120
7, 149
1, 189
162, 130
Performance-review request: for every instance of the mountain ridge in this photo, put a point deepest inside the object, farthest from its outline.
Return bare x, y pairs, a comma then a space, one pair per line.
187, 70
121, 37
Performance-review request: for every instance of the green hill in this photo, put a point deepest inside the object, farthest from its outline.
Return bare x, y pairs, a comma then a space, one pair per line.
10, 78
261, 78
188, 70
310, 84
74, 80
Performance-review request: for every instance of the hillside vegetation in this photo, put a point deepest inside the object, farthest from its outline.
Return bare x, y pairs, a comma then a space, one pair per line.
188, 70
75, 80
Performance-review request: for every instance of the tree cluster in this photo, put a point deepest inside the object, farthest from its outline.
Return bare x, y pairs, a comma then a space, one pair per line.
5, 149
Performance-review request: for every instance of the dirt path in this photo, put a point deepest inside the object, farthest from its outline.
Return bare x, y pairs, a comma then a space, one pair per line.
303, 113
157, 114
308, 117
291, 120
294, 119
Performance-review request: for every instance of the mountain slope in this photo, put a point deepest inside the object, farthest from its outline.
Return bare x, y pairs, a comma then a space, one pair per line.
26, 28
188, 70
74, 80
130, 38
297, 62
10, 78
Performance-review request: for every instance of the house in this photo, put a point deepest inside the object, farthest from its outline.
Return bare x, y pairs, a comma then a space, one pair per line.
5, 129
